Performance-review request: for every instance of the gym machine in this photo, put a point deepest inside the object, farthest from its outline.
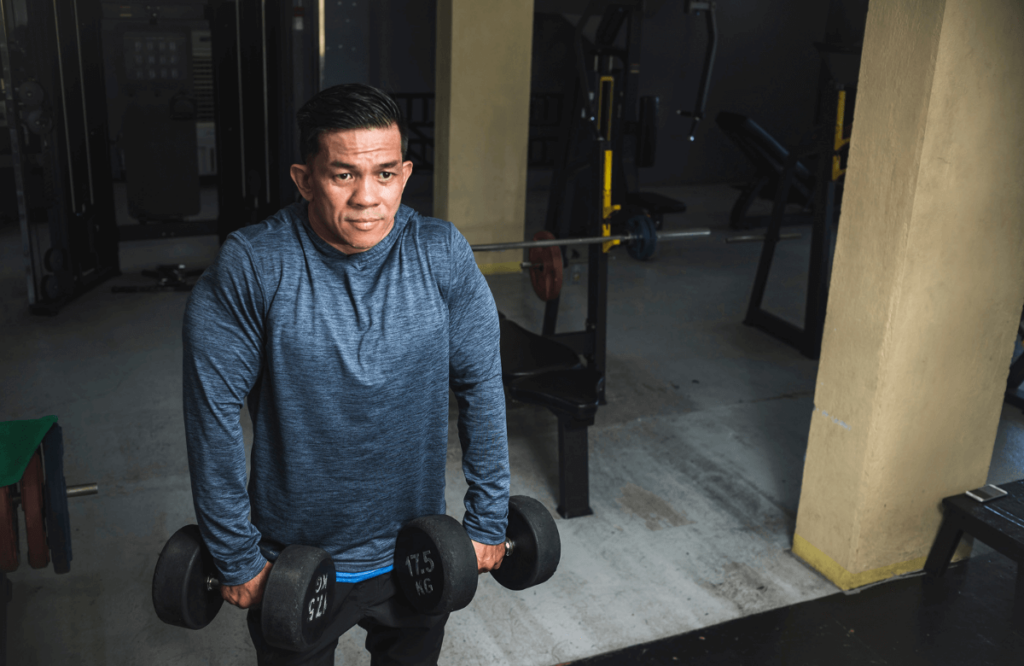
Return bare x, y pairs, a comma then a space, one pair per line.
150, 71
828, 153
594, 201
56, 114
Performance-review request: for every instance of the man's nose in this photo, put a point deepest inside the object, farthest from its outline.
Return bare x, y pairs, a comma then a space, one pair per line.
366, 193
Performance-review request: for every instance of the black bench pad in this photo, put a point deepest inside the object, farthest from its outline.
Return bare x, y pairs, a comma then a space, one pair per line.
524, 354
657, 204
573, 393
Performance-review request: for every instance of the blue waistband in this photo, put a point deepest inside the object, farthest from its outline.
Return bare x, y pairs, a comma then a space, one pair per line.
342, 577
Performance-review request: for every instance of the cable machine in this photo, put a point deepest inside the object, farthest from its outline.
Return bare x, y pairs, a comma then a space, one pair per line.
150, 72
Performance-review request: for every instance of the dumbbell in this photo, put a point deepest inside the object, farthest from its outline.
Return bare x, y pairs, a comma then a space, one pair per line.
435, 563
296, 601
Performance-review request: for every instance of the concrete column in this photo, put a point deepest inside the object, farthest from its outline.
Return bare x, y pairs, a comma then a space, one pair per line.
927, 286
482, 122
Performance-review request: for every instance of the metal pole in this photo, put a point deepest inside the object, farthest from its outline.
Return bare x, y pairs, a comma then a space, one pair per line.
759, 238
555, 242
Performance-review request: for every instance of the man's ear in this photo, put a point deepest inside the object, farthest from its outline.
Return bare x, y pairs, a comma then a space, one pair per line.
302, 175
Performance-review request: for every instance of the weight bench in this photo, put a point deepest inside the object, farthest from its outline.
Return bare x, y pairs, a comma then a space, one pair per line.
656, 205
540, 371
769, 158
998, 523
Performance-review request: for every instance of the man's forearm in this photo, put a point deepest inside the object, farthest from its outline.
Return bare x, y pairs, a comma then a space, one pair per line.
483, 435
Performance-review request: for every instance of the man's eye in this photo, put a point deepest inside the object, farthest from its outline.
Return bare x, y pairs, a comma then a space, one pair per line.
343, 176
386, 175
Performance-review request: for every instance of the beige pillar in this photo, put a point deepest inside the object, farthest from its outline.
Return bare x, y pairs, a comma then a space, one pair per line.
482, 122
927, 285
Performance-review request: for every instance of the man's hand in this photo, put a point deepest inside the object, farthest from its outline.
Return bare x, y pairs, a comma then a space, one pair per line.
248, 594
488, 558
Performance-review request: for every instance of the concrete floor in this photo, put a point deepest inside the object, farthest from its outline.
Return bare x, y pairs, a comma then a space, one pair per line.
695, 462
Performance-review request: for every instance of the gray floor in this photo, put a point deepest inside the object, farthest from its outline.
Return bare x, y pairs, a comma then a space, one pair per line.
695, 462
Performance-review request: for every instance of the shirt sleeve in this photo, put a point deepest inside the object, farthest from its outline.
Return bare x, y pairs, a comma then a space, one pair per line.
475, 378
222, 338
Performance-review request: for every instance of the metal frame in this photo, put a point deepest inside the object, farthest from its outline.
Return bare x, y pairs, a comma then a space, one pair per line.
805, 338
59, 148
253, 54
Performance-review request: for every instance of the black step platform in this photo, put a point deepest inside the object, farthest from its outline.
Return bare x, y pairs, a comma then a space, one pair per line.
998, 523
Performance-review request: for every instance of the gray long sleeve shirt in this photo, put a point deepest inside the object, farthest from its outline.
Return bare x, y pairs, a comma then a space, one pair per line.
345, 362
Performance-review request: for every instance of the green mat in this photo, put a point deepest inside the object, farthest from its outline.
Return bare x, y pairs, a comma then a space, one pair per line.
18, 441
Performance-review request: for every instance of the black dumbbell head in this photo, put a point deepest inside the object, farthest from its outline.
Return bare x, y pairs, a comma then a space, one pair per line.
180, 596
435, 565
536, 546
299, 598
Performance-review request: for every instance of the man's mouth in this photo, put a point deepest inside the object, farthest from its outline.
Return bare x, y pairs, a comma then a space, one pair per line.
364, 224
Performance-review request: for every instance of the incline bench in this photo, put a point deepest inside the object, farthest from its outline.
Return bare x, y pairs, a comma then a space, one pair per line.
769, 158
540, 371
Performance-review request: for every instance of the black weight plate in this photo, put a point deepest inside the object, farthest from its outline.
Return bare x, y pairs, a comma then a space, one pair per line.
180, 596
30, 93
32, 504
51, 287
53, 259
646, 237
435, 565
299, 598
536, 546
55, 500
9, 559
546, 273
39, 121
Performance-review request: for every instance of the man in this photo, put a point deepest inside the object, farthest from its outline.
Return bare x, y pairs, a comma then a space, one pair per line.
343, 320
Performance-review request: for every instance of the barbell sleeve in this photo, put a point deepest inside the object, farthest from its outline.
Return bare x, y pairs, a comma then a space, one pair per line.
555, 242
83, 489
72, 491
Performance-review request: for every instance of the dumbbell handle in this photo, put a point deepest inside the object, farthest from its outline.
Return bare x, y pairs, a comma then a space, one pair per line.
214, 584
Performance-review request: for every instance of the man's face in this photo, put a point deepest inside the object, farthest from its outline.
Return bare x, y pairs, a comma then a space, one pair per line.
354, 186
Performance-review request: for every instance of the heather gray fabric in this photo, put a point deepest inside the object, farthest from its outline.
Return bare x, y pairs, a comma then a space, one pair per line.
346, 361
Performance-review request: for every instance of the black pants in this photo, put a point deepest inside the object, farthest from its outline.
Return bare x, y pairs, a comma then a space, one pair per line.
395, 633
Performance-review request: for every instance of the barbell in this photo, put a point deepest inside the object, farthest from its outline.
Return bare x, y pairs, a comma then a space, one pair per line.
625, 239
545, 264
759, 238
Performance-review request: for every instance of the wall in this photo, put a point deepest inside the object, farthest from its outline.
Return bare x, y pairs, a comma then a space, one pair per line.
766, 68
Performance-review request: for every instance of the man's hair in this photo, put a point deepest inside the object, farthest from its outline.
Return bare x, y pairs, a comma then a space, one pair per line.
343, 107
